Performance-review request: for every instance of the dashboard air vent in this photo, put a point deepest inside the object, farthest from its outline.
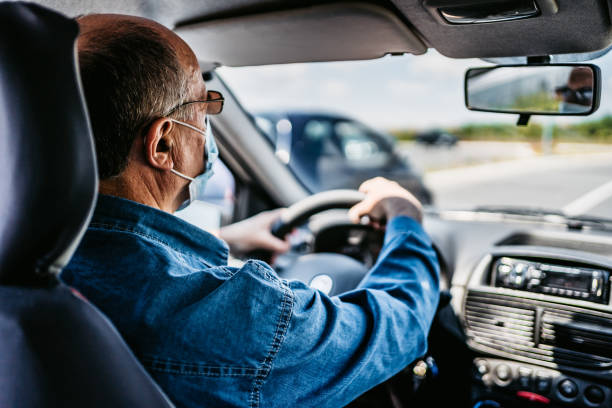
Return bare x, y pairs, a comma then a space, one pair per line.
564, 337
500, 323
574, 337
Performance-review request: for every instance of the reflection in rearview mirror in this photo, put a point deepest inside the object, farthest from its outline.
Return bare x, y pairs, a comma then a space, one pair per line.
534, 89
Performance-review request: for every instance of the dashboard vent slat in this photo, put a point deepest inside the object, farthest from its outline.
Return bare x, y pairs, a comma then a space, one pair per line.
502, 324
520, 327
498, 314
564, 337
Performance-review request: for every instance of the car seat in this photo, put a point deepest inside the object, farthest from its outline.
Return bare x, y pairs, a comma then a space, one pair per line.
56, 349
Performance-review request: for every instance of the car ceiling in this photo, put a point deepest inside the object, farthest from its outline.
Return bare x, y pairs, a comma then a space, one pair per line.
255, 32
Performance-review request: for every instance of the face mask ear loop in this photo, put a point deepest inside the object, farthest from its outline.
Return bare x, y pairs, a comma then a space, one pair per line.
189, 126
144, 141
181, 175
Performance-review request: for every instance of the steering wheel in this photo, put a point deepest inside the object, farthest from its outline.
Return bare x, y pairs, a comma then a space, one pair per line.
299, 212
331, 273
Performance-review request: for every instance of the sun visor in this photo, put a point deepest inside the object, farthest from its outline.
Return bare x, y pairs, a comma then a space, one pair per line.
336, 32
509, 28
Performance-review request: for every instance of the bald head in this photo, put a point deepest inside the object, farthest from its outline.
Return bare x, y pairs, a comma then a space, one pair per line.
93, 25
133, 71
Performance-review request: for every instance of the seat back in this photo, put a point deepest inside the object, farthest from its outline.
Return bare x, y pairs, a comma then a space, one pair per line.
48, 184
55, 348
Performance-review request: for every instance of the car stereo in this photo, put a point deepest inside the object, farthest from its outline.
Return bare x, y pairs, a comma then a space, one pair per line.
576, 282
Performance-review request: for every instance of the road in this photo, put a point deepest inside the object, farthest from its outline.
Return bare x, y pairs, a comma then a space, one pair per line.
577, 180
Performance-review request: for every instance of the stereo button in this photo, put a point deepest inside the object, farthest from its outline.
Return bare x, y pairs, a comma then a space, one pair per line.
534, 282
535, 273
568, 388
504, 269
594, 395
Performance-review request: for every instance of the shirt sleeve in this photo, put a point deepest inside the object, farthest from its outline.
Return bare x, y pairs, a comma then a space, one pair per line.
336, 348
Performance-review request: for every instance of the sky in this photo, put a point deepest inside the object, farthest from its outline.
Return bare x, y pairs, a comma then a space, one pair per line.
394, 92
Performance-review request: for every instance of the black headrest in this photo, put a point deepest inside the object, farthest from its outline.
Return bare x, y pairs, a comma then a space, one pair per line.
48, 177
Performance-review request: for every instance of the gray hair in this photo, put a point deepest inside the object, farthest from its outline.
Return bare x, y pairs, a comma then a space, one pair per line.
131, 76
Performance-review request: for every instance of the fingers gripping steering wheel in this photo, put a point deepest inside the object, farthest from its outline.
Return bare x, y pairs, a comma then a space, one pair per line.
330, 272
299, 212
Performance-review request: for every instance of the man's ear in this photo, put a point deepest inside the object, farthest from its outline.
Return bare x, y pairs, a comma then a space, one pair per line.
158, 144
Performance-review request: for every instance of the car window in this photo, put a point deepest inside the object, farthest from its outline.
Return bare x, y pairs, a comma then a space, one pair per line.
310, 142
317, 130
461, 159
360, 146
316, 136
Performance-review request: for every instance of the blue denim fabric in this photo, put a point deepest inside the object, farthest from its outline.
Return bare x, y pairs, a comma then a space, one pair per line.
219, 336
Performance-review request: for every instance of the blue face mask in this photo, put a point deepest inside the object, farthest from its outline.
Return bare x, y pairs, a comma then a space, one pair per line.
197, 185
568, 107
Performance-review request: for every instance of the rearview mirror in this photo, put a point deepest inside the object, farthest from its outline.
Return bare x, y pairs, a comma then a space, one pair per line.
557, 89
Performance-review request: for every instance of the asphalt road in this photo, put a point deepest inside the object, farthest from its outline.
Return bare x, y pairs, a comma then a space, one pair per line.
428, 158
578, 180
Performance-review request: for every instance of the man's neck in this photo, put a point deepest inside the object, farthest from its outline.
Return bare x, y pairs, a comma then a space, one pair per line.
122, 186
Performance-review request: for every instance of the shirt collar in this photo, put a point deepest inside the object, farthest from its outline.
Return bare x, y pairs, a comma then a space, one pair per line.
122, 213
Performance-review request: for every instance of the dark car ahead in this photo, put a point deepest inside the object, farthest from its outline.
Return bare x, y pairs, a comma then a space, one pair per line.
328, 151
436, 137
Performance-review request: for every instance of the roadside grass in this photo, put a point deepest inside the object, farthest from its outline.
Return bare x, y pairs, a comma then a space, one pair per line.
594, 131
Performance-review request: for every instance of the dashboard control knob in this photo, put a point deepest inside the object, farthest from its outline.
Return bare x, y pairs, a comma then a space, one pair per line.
524, 378
542, 383
482, 367
568, 388
503, 372
594, 394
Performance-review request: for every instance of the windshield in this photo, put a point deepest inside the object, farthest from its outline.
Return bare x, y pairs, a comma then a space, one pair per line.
403, 117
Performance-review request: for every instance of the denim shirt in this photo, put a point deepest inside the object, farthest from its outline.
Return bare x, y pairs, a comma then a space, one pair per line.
218, 336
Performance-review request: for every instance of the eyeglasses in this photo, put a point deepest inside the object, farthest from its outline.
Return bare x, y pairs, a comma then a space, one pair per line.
582, 95
214, 99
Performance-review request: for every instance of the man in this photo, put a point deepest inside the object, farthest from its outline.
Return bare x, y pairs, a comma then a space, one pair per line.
577, 95
213, 335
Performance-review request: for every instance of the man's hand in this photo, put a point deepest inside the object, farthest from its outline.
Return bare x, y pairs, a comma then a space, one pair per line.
384, 200
254, 233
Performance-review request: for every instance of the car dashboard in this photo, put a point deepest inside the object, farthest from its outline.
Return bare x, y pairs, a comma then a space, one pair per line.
529, 294
533, 298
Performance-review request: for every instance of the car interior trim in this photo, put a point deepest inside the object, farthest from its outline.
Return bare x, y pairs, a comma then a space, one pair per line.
543, 35
327, 32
